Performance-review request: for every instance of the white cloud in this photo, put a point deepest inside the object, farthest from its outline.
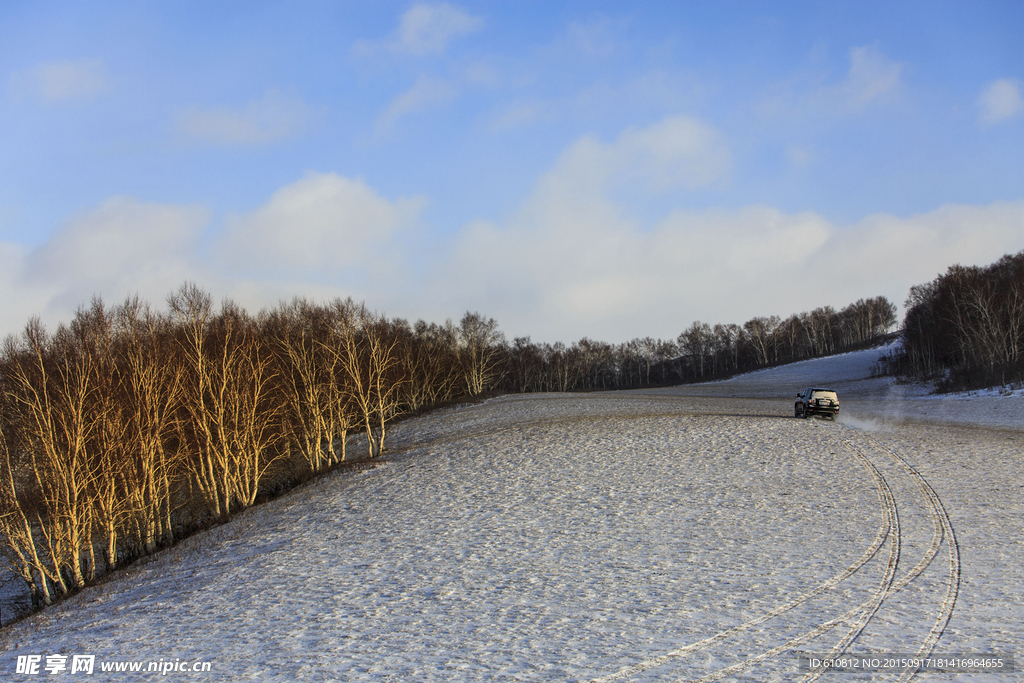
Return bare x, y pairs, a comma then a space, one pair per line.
321, 236
429, 28
425, 93
898, 252
320, 224
871, 76
552, 261
274, 117
570, 272
872, 79
21, 301
573, 262
62, 81
424, 29
122, 246
1000, 100
677, 152
574, 276
122, 239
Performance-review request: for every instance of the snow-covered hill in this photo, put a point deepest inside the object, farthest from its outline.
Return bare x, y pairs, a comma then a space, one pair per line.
697, 533
864, 397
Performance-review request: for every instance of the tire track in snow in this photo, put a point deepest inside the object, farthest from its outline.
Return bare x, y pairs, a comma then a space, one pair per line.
859, 617
942, 530
953, 579
889, 529
875, 602
938, 534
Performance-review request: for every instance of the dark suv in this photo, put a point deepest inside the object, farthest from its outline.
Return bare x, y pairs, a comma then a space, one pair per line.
816, 401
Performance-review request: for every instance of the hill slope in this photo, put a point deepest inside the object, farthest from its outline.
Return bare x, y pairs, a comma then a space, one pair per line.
864, 397
637, 536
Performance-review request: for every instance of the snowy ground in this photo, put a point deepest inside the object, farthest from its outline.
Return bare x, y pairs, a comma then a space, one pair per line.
695, 533
865, 397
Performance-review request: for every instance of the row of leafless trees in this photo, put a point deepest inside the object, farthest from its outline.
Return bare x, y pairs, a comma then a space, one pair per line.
129, 427
702, 351
966, 327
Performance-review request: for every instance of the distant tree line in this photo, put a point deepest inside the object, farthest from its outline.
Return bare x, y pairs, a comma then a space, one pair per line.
128, 427
699, 353
965, 328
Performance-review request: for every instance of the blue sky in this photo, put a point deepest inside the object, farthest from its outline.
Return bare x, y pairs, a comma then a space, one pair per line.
600, 169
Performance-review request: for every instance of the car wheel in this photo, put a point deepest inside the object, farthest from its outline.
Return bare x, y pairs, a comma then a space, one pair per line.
796, 411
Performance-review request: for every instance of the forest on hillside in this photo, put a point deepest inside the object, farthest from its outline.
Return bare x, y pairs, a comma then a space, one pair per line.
130, 427
965, 328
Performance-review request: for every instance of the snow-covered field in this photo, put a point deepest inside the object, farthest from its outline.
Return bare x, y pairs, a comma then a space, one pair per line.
867, 397
694, 533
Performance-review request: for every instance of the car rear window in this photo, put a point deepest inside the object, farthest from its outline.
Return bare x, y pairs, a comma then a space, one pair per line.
825, 394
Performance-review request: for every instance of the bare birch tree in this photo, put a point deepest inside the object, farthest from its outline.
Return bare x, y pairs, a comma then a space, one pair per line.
19, 514
319, 407
233, 420
367, 351
430, 364
479, 340
49, 385
153, 385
